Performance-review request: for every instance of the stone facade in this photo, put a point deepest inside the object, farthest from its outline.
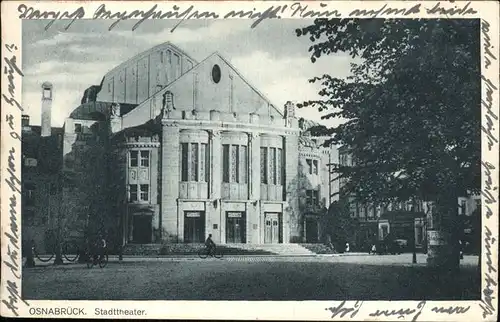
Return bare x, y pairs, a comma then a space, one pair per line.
172, 150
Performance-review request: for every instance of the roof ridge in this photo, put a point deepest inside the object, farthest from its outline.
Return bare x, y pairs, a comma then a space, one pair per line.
262, 95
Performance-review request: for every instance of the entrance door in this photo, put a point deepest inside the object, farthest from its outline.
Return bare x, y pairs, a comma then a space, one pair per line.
194, 227
142, 229
311, 230
272, 228
235, 227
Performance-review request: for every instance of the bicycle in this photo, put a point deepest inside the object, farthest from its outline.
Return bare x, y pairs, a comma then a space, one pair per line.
102, 259
206, 251
69, 250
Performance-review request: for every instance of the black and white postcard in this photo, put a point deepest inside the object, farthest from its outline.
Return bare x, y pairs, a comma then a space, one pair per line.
244, 160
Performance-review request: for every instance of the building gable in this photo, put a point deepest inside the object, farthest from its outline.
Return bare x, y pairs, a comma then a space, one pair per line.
213, 84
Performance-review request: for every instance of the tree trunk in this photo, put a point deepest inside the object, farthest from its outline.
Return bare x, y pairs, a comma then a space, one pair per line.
443, 250
58, 260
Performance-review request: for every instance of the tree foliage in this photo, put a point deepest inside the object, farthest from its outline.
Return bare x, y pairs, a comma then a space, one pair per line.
340, 225
412, 104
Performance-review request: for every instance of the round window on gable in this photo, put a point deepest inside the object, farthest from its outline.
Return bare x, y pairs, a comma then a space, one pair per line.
216, 74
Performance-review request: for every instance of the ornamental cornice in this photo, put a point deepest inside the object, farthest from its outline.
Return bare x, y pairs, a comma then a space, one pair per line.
169, 123
231, 126
140, 145
309, 154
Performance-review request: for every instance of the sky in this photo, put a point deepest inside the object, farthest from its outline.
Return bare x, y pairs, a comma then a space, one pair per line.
271, 57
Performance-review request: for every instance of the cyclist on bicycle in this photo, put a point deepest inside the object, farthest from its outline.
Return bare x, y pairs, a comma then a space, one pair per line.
210, 245
99, 248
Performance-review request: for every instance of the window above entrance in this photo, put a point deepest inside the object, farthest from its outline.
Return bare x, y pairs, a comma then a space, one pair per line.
195, 163
234, 163
138, 193
139, 158
271, 165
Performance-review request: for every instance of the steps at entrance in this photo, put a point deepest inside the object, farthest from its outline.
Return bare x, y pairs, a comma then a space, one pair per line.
278, 249
228, 249
141, 249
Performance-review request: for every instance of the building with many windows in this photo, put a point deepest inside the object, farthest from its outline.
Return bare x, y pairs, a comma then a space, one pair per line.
168, 149
406, 220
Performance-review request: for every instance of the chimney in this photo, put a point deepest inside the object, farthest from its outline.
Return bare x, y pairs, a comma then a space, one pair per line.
25, 120
46, 108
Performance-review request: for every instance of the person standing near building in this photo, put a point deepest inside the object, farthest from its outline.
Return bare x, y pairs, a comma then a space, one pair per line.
347, 248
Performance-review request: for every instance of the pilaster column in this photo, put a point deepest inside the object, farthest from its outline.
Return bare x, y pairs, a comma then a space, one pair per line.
214, 210
169, 181
292, 219
254, 164
254, 227
216, 157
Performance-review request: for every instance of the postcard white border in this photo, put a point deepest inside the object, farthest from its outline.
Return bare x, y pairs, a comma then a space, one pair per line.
487, 11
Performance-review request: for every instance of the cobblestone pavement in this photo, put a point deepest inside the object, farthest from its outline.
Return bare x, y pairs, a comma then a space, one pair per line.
252, 278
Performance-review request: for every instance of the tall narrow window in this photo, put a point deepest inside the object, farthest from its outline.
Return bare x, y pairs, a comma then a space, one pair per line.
134, 156
371, 212
315, 197
272, 166
225, 163
463, 208
231, 91
161, 57
144, 192
263, 165
309, 166
194, 162
184, 161
145, 159
234, 163
279, 160
169, 56
133, 193
315, 166
203, 149
243, 164
177, 65
207, 163
309, 197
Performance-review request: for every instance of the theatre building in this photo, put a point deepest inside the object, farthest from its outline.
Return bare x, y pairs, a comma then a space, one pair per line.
168, 149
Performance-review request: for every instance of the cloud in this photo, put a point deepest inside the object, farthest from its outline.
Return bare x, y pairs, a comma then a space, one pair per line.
63, 103
69, 80
219, 29
284, 79
62, 38
275, 61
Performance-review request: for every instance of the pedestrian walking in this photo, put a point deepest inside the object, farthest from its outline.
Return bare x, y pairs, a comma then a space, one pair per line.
347, 249
30, 254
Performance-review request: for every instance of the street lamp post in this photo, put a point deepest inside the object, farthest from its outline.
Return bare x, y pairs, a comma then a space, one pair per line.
414, 257
58, 250
414, 246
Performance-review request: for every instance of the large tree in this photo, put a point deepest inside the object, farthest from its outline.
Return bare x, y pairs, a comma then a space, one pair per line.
411, 109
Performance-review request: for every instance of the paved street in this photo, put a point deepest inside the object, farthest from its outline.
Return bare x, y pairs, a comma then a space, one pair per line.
252, 278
